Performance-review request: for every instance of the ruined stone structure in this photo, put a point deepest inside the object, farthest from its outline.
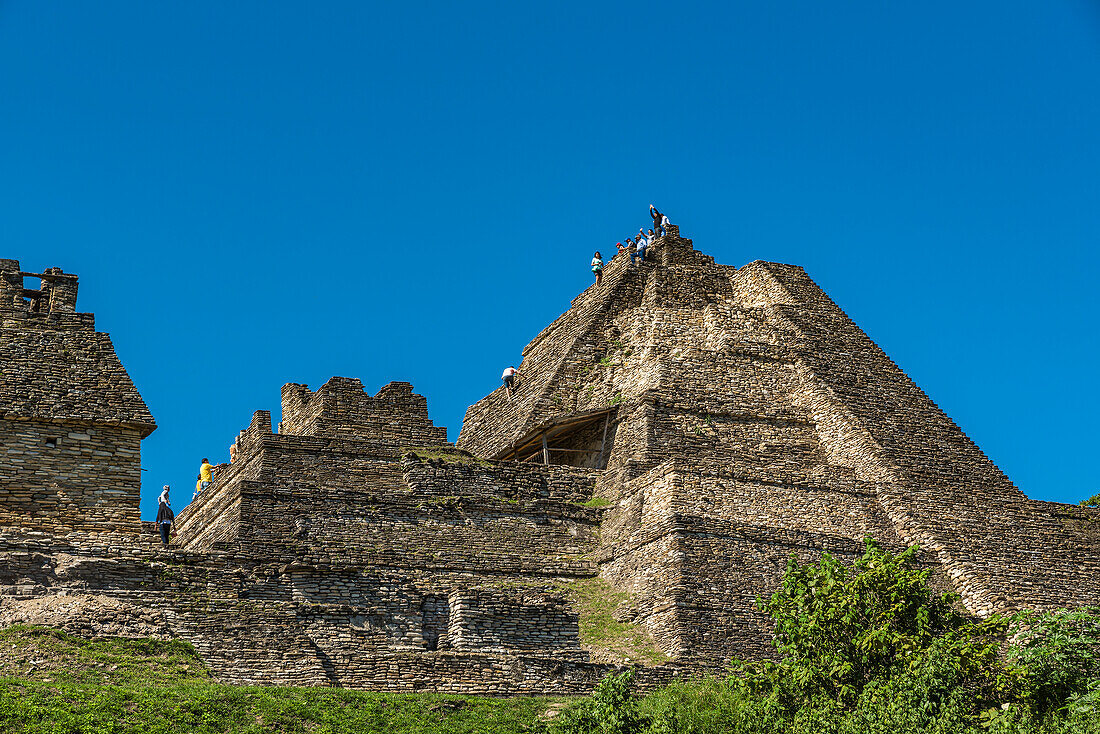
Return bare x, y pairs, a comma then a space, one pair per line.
679, 432
71, 421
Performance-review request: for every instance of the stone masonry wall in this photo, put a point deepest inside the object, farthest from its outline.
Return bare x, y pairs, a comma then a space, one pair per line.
1000, 550
71, 420
64, 478
395, 416
753, 374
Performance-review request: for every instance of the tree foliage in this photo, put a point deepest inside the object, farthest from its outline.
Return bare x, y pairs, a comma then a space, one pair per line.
841, 628
1058, 654
872, 648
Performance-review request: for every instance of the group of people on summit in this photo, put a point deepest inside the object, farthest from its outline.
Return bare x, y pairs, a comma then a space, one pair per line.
634, 247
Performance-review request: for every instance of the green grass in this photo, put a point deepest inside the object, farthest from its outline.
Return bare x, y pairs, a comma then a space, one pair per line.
52, 682
447, 454
596, 602
595, 502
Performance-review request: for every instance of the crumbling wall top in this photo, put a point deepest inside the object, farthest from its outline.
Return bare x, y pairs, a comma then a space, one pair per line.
56, 366
56, 293
394, 416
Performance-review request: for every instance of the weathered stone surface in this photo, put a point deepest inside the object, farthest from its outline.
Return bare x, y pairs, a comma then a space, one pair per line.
679, 433
71, 421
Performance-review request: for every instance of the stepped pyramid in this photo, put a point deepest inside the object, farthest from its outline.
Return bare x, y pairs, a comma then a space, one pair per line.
748, 418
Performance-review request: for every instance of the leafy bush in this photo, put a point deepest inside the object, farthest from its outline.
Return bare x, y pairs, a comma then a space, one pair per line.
871, 649
839, 629
1058, 654
611, 709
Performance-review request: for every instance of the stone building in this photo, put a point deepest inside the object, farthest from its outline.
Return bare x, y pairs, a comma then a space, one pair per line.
71, 421
679, 432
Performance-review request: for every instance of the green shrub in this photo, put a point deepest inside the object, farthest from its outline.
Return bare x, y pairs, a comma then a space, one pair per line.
1058, 654
839, 628
871, 649
611, 709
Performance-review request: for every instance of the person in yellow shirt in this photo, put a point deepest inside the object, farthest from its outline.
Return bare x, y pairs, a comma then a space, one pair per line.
198, 486
206, 476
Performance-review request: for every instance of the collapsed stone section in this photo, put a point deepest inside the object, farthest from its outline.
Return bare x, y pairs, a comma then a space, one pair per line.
394, 417
71, 420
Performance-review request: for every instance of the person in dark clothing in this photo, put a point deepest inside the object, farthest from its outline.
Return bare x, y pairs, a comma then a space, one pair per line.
165, 516
658, 221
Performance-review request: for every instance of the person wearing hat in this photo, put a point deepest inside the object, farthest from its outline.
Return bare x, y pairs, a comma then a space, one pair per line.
165, 516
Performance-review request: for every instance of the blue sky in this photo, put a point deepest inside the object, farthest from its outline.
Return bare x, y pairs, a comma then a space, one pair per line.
256, 193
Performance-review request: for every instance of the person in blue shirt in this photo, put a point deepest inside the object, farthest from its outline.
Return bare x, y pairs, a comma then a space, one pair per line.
643, 243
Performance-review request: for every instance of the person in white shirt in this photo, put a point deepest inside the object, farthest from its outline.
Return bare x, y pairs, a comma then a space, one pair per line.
643, 243
509, 377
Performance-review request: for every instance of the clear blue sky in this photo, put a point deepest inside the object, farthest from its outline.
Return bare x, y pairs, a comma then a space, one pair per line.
256, 193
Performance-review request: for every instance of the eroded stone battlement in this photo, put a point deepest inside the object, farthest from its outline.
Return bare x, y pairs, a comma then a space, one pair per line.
395, 416
52, 304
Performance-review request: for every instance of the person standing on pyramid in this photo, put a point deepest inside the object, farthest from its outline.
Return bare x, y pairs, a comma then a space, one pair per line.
165, 516
206, 474
657, 220
643, 243
597, 266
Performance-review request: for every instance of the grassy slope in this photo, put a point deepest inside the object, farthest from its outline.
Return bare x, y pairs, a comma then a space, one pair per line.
51, 682
600, 633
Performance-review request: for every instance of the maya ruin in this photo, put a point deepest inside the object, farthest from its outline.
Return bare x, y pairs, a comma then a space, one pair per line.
680, 431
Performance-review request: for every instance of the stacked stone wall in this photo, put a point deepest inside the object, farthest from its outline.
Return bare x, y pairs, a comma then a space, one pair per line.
64, 477
71, 421
747, 420
394, 417
947, 495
